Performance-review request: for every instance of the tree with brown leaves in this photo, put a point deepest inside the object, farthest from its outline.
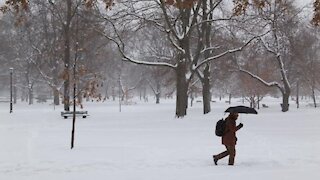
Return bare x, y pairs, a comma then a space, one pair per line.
316, 16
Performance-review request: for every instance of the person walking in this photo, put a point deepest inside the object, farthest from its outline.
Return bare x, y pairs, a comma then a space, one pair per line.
229, 139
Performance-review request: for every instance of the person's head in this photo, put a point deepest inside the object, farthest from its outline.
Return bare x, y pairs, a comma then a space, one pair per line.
234, 115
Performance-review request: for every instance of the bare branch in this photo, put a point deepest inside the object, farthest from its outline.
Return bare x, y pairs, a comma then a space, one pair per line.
229, 51
127, 58
267, 84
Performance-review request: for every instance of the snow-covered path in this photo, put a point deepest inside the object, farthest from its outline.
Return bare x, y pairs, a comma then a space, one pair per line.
146, 142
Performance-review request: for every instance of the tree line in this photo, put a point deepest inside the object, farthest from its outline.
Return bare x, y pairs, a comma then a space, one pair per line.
181, 47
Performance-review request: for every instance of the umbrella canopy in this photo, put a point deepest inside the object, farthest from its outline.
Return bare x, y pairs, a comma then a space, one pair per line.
241, 109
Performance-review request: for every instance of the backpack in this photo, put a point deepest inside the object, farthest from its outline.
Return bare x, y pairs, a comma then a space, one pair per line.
220, 127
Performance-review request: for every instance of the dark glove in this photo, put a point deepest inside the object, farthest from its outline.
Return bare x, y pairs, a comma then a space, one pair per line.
240, 125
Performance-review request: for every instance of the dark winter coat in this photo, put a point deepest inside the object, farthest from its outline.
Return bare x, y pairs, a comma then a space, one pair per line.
229, 138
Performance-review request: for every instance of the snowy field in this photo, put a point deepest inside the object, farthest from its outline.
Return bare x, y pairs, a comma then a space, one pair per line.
146, 142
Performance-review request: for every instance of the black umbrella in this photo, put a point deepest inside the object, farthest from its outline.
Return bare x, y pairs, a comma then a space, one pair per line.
241, 109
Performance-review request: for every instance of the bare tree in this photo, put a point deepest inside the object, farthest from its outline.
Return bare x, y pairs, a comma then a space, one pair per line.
179, 26
306, 61
281, 18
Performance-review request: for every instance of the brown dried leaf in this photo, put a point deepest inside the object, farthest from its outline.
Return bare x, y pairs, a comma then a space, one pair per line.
316, 15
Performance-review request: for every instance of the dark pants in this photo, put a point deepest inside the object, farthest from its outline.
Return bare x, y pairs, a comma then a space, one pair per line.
231, 151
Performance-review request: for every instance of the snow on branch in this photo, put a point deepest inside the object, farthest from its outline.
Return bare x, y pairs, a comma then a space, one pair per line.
268, 48
174, 43
194, 19
159, 57
135, 86
213, 20
126, 58
167, 19
170, 29
120, 46
209, 49
195, 82
268, 84
229, 51
46, 78
200, 74
160, 26
279, 59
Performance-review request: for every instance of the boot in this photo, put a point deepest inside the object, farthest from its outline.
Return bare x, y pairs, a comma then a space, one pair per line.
231, 161
215, 160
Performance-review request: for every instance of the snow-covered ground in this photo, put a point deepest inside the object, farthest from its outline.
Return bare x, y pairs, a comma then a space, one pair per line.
145, 141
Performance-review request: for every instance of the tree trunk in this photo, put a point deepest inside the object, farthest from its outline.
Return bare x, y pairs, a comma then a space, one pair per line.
206, 95
145, 94
158, 98
158, 94
252, 102
106, 96
24, 94
286, 95
113, 94
66, 26
206, 91
79, 98
56, 97
30, 92
314, 98
123, 96
285, 102
182, 88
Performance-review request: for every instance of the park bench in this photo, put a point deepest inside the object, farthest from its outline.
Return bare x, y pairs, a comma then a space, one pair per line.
4, 99
67, 114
